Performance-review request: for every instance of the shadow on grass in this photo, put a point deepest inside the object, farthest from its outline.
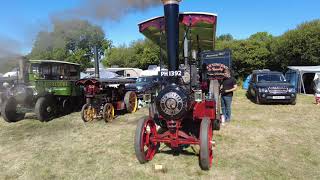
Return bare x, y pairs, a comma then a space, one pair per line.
251, 98
30, 127
178, 152
33, 117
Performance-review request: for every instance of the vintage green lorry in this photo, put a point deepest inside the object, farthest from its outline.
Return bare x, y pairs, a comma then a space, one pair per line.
46, 87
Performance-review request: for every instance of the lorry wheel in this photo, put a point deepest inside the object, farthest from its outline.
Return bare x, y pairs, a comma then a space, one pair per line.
9, 111
44, 109
131, 101
206, 155
67, 106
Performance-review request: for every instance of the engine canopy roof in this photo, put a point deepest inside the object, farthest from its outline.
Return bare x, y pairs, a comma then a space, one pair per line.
202, 25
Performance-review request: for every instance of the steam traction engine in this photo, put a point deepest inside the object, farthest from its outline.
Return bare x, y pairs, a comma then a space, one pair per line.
45, 87
186, 110
105, 96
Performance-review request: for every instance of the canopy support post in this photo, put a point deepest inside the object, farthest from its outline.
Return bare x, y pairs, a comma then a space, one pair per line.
302, 82
186, 48
190, 58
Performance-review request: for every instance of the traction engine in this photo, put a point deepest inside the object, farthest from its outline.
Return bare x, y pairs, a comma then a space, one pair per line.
105, 96
185, 112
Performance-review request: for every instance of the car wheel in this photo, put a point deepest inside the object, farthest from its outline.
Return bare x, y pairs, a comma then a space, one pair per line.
258, 99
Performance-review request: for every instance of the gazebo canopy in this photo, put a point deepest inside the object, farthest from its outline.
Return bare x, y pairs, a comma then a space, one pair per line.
300, 71
306, 69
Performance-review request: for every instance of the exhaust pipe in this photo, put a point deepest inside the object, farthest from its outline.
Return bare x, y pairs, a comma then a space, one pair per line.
22, 72
171, 14
96, 63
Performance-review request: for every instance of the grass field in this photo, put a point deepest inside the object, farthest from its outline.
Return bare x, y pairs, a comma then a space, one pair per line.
262, 142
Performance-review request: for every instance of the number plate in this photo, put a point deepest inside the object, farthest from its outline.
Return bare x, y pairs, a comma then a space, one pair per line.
278, 97
171, 73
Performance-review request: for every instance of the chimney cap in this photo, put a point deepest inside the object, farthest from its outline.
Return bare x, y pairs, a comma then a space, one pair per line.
165, 2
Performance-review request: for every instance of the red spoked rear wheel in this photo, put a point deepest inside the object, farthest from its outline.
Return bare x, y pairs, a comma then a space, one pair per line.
145, 149
206, 155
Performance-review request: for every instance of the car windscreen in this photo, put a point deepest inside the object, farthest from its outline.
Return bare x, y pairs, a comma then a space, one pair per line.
141, 79
270, 78
146, 79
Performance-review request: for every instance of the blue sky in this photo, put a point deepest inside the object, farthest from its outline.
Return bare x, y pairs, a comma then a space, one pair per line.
21, 19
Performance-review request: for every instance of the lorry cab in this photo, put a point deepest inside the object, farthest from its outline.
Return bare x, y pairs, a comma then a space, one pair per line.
53, 70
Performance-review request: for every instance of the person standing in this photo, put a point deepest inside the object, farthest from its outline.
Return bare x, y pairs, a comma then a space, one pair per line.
228, 86
316, 83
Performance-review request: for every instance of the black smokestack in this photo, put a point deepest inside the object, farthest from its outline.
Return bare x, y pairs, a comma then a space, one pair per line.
96, 63
171, 14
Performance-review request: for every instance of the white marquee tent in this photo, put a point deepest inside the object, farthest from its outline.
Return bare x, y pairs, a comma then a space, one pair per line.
302, 77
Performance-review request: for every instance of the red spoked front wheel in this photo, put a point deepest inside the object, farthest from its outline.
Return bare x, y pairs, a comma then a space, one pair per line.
145, 149
206, 155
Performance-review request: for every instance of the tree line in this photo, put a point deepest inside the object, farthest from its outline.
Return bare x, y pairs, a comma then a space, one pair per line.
74, 41
297, 47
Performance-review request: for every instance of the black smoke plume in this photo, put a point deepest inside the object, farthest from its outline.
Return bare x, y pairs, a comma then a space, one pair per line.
101, 10
9, 47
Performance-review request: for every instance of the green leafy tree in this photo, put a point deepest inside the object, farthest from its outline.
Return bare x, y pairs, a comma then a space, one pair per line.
225, 37
139, 54
71, 40
120, 56
252, 53
299, 47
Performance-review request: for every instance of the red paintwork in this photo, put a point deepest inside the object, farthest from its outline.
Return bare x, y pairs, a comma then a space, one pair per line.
91, 89
217, 71
88, 81
204, 109
119, 105
197, 18
175, 138
91, 86
148, 132
204, 86
187, 19
210, 144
